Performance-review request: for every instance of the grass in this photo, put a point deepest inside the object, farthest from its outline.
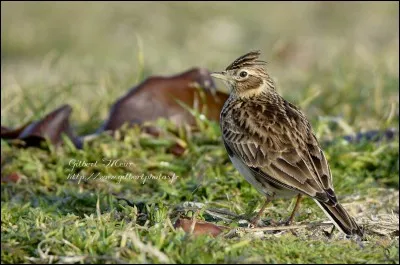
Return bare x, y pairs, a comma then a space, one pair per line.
84, 221
338, 62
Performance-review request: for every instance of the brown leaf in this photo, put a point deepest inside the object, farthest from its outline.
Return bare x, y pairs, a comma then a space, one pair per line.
7, 133
156, 97
152, 130
51, 126
13, 177
200, 228
176, 149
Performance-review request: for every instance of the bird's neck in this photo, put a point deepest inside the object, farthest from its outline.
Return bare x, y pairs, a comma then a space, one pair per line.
267, 88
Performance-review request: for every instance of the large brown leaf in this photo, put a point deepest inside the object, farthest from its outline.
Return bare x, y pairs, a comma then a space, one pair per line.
157, 97
52, 126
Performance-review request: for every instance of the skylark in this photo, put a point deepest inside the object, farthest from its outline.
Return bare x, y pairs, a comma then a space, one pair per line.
271, 142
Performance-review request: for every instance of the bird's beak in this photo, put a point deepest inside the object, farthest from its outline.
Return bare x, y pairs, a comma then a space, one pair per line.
220, 75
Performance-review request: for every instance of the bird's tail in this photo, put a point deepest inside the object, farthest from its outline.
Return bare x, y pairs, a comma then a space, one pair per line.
342, 220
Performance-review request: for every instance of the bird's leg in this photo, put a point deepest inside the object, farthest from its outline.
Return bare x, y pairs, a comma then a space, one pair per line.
257, 218
296, 207
329, 234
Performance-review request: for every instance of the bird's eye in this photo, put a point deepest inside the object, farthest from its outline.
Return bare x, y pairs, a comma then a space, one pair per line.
243, 74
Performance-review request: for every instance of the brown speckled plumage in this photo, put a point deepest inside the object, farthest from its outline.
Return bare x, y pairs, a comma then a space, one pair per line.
271, 142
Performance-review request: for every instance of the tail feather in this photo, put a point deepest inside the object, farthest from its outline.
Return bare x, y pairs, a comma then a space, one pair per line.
339, 216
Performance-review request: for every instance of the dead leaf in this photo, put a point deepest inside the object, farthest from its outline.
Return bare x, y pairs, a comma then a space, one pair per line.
51, 127
152, 130
200, 227
7, 133
12, 178
176, 149
157, 97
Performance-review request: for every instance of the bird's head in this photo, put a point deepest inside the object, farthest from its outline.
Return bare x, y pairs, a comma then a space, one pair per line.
246, 76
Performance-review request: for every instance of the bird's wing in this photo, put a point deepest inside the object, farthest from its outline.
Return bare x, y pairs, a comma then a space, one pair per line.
278, 144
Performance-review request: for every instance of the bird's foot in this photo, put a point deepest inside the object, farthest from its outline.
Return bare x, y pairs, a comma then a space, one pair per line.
260, 223
288, 222
254, 223
251, 226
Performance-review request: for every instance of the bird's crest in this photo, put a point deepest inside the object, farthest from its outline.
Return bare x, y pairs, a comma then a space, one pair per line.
249, 59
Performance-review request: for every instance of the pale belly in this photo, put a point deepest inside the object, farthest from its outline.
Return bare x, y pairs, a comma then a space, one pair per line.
263, 188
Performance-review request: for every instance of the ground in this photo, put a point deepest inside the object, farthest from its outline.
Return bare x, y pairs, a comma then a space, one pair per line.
337, 61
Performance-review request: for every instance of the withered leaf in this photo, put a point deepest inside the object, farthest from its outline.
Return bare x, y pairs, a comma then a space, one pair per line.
157, 97
11, 178
8, 133
176, 149
200, 228
51, 127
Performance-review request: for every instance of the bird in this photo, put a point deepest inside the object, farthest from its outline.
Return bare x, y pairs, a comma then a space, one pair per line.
272, 144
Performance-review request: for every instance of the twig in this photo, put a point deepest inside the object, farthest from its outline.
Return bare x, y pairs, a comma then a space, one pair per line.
276, 228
